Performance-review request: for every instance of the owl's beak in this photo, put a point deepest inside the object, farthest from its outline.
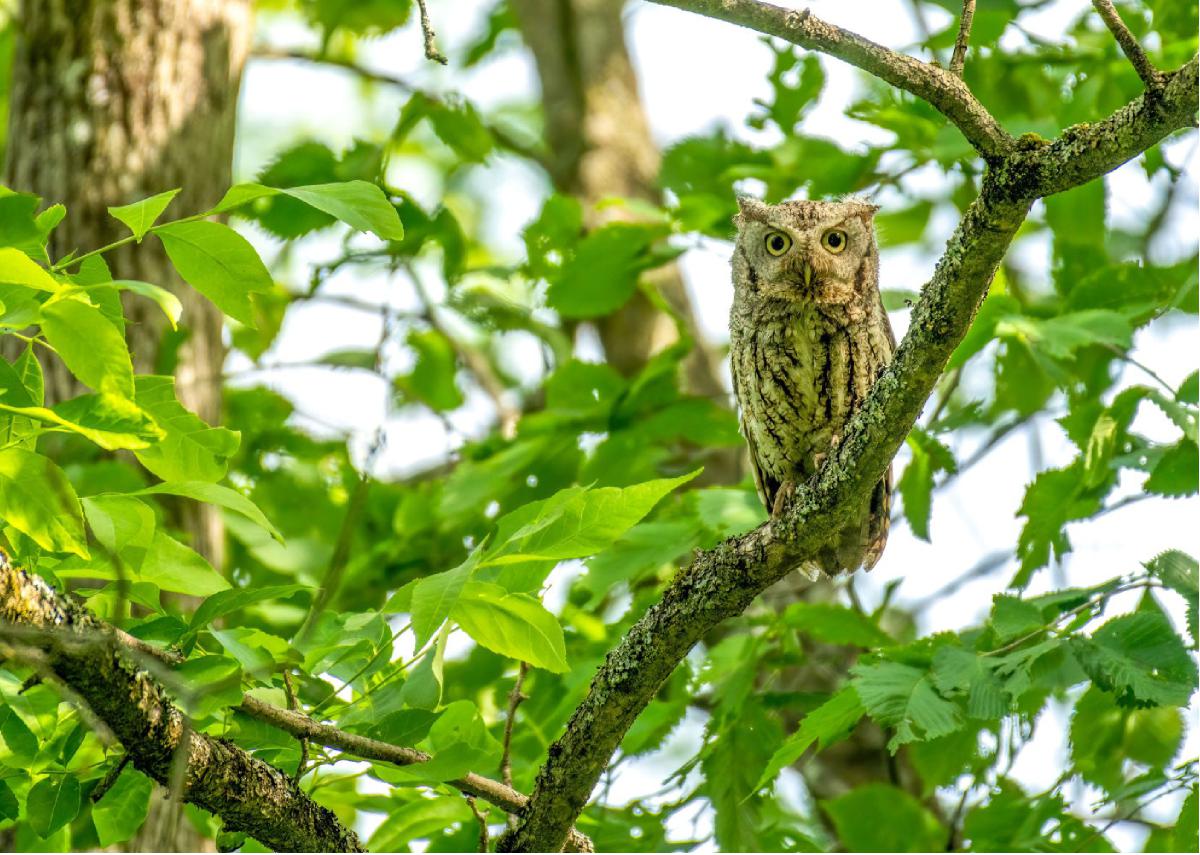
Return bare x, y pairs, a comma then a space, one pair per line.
807, 270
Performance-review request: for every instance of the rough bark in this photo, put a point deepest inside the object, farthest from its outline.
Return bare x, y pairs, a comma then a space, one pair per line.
113, 101
247, 794
601, 146
722, 582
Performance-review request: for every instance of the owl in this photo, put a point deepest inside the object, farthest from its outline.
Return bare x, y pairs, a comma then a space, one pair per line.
808, 338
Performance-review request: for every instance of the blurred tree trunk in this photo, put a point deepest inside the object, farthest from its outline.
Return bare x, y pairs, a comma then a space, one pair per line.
600, 144
113, 101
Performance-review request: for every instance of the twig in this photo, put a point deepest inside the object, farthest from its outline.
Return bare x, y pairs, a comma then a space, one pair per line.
1150, 75
431, 51
959, 58
293, 706
109, 779
471, 784
481, 818
515, 697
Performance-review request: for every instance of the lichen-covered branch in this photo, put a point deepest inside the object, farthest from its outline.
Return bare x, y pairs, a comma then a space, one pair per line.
303, 727
1129, 45
250, 796
945, 91
722, 582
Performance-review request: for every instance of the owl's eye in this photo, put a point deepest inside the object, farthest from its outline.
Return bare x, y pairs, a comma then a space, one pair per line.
778, 243
834, 240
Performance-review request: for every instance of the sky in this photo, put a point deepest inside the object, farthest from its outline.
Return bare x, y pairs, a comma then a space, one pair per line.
685, 92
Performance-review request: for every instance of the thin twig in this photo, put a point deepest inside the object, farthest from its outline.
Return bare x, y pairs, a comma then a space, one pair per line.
1150, 75
294, 706
431, 51
481, 818
515, 697
109, 779
959, 58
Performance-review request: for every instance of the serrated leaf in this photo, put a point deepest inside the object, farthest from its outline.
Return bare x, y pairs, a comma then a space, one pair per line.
1181, 573
835, 624
1012, 616
958, 671
883, 818
37, 499
140, 216
603, 272
1140, 659
1177, 472
219, 263
903, 697
516, 626
827, 724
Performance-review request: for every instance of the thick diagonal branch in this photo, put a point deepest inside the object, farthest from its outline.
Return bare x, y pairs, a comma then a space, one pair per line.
1150, 75
722, 582
248, 794
946, 92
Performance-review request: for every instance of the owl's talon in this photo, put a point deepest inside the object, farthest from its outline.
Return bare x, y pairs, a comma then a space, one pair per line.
786, 491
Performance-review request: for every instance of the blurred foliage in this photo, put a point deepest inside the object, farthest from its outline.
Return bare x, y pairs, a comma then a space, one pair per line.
587, 493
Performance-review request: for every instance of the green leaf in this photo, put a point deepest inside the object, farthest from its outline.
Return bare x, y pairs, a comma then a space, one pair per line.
423, 688
827, 724
883, 818
903, 697
1177, 472
1184, 838
174, 567
432, 378
359, 204
219, 263
1140, 659
958, 671
191, 449
122, 810
109, 420
835, 624
37, 499
516, 626
460, 742
140, 216
602, 274
215, 494
258, 652
1055, 497
1060, 336
17, 268
21, 742
929, 456
235, 599
576, 523
1012, 616
89, 343
124, 525
1181, 573
434, 597
9, 807
52, 803
164, 299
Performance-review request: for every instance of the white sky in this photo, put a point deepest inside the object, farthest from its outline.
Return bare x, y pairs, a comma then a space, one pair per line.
686, 92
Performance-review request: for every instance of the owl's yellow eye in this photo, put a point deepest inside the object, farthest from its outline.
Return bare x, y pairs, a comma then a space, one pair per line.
834, 240
778, 243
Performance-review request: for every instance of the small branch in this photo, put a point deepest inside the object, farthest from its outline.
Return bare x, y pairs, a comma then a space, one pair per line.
293, 706
943, 90
1151, 76
959, 58
93, 662
515, 697
481, 818
431, 51
109, 779
300, 725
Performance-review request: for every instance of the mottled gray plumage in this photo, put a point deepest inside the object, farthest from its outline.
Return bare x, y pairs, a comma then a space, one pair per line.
808, 337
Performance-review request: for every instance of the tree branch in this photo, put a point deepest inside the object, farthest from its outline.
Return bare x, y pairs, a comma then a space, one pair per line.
1150, 75
722, 582
431, 50
946, 92
301, 726
248, 794
959, 58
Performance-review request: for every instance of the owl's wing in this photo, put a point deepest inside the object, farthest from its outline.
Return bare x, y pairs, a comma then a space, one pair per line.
763, 483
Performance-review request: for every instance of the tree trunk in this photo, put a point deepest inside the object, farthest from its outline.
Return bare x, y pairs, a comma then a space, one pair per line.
600, 144
113, 101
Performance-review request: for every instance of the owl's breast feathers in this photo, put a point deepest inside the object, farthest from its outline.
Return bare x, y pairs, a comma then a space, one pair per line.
800, 371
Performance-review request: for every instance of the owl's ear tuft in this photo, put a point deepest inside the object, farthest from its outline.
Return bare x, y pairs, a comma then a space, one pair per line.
750, 208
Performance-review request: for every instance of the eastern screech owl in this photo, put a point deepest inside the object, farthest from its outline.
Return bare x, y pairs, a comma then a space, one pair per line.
808, 337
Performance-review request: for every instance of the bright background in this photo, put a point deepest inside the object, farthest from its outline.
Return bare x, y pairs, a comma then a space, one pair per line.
695, 75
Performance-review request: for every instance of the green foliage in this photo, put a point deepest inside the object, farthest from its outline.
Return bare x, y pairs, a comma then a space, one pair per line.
544, 537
